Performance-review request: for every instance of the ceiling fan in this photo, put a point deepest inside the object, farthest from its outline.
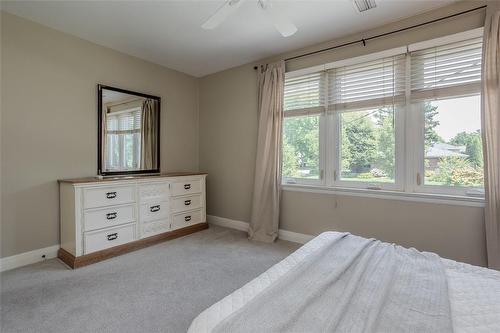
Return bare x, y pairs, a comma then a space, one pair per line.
280, 22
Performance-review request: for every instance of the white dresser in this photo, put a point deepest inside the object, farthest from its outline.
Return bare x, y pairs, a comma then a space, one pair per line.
103, 218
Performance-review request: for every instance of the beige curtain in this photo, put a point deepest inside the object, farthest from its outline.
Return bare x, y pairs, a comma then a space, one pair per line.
266, 190
491, 131
148, 135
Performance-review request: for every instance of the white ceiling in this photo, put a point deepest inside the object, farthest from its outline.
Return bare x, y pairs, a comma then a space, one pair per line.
169, 33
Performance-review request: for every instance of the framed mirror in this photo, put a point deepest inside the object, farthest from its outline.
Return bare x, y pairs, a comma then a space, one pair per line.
128, 132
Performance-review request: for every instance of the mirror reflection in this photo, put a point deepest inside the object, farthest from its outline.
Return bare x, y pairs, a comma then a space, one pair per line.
130, 132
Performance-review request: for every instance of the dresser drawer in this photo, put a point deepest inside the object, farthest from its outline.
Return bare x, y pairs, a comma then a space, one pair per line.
187, 219
186, 187
186, 203
154, 192
107, 196
154, 211
108, 217
154, 228
104, 239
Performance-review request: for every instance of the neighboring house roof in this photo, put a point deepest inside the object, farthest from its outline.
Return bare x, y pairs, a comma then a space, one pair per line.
441, 150
447, 146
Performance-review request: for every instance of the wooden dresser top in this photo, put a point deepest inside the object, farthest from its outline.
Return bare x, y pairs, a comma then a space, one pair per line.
125, 177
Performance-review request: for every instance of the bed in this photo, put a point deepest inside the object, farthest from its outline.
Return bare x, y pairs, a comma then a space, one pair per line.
473, 293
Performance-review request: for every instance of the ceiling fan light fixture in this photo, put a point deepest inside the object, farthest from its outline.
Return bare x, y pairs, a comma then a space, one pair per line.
364, 5
221, 14
284, 26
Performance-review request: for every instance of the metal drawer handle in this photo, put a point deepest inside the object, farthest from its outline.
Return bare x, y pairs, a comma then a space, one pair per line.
187, 218
154, 209
187, 202
112, 236
187, 186
111, 216
111, 195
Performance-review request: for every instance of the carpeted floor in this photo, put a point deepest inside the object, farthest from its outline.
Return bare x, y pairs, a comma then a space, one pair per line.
157, 289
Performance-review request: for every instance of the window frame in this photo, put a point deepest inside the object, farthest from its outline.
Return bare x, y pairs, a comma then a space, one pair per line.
409, 134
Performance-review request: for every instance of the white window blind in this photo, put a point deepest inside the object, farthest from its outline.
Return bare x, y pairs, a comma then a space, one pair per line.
368, 84
124, 122
305, 94
448, 70
363, 85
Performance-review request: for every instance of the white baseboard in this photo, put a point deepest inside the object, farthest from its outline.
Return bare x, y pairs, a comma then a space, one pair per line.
294, 236
228, 223
27, 258
243, 226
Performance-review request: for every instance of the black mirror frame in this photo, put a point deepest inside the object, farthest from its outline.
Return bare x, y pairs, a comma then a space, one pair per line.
100, 87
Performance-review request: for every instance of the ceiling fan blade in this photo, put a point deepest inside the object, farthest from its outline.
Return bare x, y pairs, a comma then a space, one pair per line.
284, 26
221, 14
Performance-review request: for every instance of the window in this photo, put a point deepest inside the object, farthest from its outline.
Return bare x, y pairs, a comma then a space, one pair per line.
363, 100
405, 119
123, 135
304, 108
445, 94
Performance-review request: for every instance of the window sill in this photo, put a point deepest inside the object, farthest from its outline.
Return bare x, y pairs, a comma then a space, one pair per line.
385, 194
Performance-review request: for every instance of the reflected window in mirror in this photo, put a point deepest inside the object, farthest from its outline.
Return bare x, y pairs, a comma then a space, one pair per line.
129, 139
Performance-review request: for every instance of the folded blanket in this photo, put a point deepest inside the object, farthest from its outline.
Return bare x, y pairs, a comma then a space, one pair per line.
352, 284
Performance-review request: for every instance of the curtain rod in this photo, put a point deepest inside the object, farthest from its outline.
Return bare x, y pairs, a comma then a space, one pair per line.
364, 40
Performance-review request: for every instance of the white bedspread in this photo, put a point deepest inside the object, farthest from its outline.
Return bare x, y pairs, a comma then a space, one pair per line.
474, 293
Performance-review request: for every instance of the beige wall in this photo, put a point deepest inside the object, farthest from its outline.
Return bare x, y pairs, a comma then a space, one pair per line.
49, 121
228, 130
454, 232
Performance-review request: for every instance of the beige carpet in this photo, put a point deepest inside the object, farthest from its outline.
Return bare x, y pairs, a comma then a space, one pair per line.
158, 289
